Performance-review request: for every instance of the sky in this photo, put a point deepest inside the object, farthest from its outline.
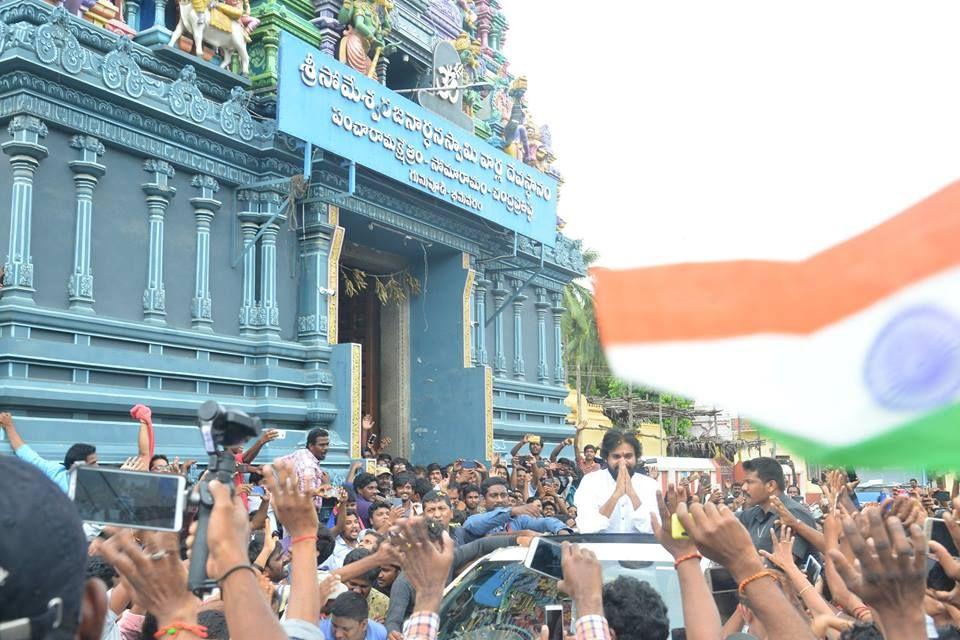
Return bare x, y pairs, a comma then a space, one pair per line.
704, 130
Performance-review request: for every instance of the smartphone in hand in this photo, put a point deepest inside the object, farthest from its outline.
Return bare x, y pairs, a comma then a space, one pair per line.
543, 556
553, 619
134, 499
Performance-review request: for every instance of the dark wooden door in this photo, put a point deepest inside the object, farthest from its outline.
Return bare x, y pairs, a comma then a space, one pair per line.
359, 319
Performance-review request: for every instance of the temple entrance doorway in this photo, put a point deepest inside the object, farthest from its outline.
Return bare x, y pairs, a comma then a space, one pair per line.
381, 328
359, 321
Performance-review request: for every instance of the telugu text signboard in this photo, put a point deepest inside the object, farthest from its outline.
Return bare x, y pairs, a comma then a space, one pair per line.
332, 106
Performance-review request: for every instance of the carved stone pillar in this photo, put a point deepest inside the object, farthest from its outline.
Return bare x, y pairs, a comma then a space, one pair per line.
159, 193
382, 65
205, 206
269, 204
518, 330
86, 173
475, 326
314, 262
484, 15
159, 13
270, 41
132, 15
498, 31
325, 20
249, 225
25, 153
480, 304
559, 374
543, 374
499, 360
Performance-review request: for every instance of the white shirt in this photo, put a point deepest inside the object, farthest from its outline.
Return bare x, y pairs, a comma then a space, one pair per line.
340, 551
253, 505
594, 491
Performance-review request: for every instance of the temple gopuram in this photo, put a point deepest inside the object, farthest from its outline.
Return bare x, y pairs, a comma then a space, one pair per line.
310, 210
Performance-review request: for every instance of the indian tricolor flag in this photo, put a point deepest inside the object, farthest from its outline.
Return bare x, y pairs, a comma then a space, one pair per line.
850, 356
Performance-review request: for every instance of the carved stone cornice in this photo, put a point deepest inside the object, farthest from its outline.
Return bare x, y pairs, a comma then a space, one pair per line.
131, 130
79, 55
91, 37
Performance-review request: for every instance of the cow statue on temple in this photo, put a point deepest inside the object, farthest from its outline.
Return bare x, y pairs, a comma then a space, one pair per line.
219, 25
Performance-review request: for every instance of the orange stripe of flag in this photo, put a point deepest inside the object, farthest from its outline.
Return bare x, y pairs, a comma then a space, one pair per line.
725, 299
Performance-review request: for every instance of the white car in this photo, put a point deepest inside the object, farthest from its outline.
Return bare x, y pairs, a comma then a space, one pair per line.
496, 597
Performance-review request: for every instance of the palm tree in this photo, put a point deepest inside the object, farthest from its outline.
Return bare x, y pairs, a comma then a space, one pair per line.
582, 353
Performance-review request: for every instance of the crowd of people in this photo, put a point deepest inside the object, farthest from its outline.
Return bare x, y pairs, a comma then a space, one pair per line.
297, 555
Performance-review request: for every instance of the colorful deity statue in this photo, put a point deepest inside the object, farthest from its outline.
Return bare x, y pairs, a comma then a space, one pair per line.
515, 139
218, 25
534, 144
368, 23
469, 10
248, 21
545, 156
469, 51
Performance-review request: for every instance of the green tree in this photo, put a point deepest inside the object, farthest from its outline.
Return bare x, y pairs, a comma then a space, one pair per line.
582, 354
586, 364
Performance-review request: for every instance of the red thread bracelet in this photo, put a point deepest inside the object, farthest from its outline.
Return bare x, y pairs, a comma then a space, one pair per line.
312, 537
175, 628
763, 574
689, 556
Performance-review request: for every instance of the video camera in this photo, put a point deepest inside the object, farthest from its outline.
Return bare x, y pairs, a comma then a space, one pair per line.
220, 428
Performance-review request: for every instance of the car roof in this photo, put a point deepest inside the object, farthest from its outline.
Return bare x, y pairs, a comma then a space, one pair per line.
639, 547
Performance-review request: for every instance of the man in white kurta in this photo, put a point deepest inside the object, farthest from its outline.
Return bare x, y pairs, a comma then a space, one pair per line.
634, 501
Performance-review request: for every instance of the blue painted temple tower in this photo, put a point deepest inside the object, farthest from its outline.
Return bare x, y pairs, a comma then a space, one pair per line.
179, 232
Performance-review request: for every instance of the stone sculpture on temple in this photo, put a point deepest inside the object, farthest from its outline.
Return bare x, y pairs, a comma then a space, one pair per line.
368, 22
220, 25
516, 142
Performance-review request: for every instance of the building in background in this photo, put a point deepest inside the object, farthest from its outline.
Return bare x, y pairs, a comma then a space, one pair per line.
172, 240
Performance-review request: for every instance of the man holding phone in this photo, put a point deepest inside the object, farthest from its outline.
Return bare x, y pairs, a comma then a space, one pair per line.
536, 448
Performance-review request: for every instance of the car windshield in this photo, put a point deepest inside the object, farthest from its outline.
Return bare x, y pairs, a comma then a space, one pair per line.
505, 600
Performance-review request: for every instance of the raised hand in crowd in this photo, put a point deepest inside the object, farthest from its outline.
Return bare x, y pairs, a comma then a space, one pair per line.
296, 512
268, 435
426, 565
834, 488
248, 613
890, 571
135, 463
787, 519
722, 538
155, 577
947, 602
842, 596
583, 582
805, 531
782, 557
180, 468
824, 623
700, 614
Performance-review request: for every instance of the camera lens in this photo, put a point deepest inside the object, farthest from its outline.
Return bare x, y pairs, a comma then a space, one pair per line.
208, 411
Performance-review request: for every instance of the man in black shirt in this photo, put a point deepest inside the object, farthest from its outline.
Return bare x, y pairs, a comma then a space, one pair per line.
764, 480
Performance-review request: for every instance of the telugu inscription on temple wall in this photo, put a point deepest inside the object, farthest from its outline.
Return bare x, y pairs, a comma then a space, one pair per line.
415, 149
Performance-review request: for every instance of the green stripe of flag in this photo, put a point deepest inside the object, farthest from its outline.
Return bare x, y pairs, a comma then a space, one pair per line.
931, 442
